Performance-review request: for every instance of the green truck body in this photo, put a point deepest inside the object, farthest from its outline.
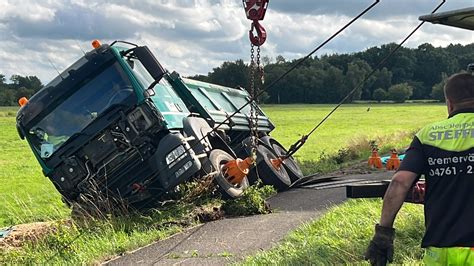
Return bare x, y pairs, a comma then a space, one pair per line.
116, 122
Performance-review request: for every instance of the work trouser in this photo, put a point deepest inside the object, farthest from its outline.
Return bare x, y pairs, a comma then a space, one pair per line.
449, 256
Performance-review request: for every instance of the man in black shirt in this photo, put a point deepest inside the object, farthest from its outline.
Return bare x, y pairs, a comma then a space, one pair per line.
444, 153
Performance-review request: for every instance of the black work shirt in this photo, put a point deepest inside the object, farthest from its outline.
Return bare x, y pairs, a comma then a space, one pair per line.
444, 153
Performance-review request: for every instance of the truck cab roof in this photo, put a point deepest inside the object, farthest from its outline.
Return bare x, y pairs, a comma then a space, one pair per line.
460, 18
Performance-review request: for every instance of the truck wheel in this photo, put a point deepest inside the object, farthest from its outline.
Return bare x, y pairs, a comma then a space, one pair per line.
218, 159
293, 169
270, 175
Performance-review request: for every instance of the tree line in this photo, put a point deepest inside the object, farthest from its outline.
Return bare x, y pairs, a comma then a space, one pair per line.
411, 73
19, 86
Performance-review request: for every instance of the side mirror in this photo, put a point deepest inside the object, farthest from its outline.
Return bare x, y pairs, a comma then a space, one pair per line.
470, 68
149, 92
150, 63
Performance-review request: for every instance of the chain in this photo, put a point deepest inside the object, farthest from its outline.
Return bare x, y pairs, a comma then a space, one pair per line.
256, 70
253, 112
260, 71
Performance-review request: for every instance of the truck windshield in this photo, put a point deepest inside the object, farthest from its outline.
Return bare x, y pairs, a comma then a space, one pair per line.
77, 111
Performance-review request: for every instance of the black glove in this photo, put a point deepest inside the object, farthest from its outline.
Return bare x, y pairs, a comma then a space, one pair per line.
380, 249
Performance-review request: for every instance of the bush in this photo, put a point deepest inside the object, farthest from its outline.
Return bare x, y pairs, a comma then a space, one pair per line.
437, 91
379, 94
400, 92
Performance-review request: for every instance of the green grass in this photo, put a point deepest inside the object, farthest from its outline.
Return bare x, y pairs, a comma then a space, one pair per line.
342, 235
351, 125
28, 196
348, 123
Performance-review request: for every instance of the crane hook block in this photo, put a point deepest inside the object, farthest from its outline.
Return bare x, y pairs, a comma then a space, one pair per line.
255, 9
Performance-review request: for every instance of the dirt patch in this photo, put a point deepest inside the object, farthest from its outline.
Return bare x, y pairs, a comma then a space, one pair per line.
21, 233
357, 168
209, 213
30, 233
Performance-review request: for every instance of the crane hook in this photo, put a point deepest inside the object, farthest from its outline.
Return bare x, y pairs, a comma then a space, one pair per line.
261, 36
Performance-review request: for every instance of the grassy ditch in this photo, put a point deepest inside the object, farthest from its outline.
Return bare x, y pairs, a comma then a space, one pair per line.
94, 241
342, 235
31, 197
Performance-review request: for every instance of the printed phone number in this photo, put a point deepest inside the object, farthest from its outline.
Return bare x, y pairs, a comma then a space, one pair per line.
450, 170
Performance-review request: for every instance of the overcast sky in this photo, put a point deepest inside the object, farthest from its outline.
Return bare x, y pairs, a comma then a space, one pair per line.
193, 36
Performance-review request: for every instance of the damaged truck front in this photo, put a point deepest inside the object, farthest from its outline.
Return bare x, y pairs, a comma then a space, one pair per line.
116, 123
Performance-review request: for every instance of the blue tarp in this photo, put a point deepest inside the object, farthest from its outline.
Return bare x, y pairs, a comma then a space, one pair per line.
385, 159
5, 232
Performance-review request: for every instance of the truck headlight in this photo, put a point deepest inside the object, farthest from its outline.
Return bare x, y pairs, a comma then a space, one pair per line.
175, 156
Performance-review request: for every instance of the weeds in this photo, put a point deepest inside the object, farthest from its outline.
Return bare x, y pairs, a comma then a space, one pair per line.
251, 202
359, 148
95, 240
100, 236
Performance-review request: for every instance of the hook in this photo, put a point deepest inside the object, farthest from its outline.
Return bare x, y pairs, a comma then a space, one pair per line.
261, 36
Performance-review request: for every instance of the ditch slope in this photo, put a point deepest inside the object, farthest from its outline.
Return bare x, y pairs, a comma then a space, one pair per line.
232, 239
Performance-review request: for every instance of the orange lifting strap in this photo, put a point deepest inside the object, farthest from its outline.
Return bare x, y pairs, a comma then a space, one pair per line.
393, 162
237, 169
277, 162
375, 160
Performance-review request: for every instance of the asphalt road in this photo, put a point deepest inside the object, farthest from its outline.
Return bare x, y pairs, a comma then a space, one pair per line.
230, 240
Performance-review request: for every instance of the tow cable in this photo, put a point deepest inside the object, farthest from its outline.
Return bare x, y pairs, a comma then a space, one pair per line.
252, 98
299, 143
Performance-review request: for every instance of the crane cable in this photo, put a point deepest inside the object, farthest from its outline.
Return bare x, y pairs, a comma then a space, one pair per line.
298, 144
253, 98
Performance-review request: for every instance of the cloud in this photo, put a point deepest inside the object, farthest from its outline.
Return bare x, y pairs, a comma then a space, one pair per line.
194, 36
384, 9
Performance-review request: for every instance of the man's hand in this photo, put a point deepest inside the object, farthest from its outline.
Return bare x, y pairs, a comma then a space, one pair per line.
380, 249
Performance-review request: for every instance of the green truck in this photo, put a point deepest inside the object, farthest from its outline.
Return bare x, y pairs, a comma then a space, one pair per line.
116, 123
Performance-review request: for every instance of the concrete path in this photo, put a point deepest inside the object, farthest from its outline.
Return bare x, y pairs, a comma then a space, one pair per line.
230, 240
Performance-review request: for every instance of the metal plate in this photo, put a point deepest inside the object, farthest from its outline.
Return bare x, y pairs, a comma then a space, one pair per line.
460, 18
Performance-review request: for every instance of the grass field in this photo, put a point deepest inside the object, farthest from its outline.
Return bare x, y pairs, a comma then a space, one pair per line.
28, 196
392, 125
341, 236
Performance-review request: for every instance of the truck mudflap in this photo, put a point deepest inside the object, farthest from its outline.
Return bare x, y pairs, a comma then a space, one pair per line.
174, 161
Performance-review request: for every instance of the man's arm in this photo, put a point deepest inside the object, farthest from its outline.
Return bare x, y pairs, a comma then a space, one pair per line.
395, 196
380, 249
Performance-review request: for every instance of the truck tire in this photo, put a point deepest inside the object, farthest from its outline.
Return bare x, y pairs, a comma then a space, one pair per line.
270, 175
291, 166
228, 190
